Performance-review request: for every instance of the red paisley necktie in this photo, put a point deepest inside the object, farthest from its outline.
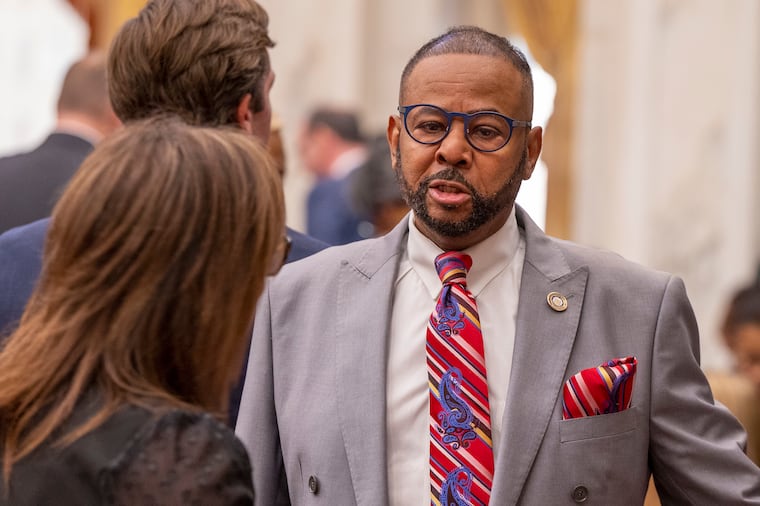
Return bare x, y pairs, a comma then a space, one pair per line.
461, 453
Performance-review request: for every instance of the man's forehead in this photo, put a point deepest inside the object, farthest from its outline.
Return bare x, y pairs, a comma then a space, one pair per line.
463, 67
453, 61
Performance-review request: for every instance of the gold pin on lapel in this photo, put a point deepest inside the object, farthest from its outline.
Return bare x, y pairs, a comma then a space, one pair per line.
556, 301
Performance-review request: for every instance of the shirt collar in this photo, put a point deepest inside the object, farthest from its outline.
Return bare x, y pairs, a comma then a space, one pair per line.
348, 161
489, 257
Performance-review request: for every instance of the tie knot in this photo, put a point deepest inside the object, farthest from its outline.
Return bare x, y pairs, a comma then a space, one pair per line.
452, 267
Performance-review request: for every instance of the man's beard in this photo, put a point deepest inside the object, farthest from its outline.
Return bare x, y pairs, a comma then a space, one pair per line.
484, 207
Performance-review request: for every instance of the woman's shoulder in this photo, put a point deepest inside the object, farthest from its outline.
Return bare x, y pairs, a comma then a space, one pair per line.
188, 456
68, 474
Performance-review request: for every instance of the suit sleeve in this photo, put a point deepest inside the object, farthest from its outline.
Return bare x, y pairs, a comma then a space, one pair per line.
257, 419
696, 446
20, 264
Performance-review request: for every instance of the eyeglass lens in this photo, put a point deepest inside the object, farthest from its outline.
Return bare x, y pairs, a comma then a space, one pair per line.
485, 130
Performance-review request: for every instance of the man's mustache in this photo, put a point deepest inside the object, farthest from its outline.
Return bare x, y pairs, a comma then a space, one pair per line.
447, 174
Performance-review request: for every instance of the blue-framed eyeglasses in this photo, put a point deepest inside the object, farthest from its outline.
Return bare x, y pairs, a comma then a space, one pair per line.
485, 131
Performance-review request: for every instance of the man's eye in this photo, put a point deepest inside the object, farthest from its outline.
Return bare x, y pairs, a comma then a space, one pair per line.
485, 133
431, 127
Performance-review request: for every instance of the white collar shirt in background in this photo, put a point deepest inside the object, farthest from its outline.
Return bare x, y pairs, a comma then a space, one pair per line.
348, 161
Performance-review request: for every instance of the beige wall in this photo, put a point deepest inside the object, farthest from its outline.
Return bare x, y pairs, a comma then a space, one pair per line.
667, 156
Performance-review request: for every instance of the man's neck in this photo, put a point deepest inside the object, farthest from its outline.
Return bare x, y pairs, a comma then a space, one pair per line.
77, 124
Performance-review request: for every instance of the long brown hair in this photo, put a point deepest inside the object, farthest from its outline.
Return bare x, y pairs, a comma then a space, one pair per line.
156, 254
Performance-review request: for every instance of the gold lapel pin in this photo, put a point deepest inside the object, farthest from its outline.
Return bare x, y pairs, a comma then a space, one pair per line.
556, 301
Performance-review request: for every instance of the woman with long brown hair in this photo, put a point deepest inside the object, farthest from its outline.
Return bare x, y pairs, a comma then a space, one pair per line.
156, 254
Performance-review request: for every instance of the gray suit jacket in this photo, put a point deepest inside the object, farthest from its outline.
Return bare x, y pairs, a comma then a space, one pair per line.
314, 400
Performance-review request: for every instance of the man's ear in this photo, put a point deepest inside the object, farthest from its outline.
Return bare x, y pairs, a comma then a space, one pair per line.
393, 133
533, 145
243, 114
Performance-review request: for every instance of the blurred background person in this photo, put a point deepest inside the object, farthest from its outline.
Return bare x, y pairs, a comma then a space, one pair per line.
156, 255
331, 148
741, 391
375, 191
31, 182
41, 39
302, 245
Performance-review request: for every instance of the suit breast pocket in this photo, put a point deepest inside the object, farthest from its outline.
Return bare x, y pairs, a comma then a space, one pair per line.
599, 426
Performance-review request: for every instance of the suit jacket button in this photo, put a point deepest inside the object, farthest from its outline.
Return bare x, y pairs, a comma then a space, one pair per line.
580, 494
313, 485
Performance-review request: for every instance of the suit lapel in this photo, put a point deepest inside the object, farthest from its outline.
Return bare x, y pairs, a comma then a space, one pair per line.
364, 294
543, 342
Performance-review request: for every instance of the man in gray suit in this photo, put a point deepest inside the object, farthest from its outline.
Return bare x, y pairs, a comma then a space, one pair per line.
31, 182
337, 404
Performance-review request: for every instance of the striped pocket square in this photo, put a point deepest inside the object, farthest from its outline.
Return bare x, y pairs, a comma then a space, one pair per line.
599, 390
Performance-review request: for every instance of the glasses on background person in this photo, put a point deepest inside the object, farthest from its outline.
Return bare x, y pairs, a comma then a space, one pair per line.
486, 131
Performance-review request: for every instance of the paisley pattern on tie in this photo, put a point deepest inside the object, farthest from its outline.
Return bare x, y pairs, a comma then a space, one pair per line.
455, 417
456, 489
599, 390
461, 454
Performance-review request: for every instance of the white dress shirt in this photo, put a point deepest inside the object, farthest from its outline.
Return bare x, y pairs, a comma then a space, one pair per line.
494, 281
347, 161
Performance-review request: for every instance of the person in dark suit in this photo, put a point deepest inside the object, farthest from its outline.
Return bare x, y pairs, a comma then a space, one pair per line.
332, 147
31, 182
209, 86
302, 245
20, 265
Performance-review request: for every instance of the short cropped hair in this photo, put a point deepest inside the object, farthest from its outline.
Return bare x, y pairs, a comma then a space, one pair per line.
343, 122
193, 58
85, 88
476, 41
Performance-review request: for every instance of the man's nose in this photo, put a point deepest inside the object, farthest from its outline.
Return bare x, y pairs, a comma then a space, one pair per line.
454, 149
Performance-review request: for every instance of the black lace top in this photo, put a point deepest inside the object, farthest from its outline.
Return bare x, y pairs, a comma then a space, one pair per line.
179, 458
